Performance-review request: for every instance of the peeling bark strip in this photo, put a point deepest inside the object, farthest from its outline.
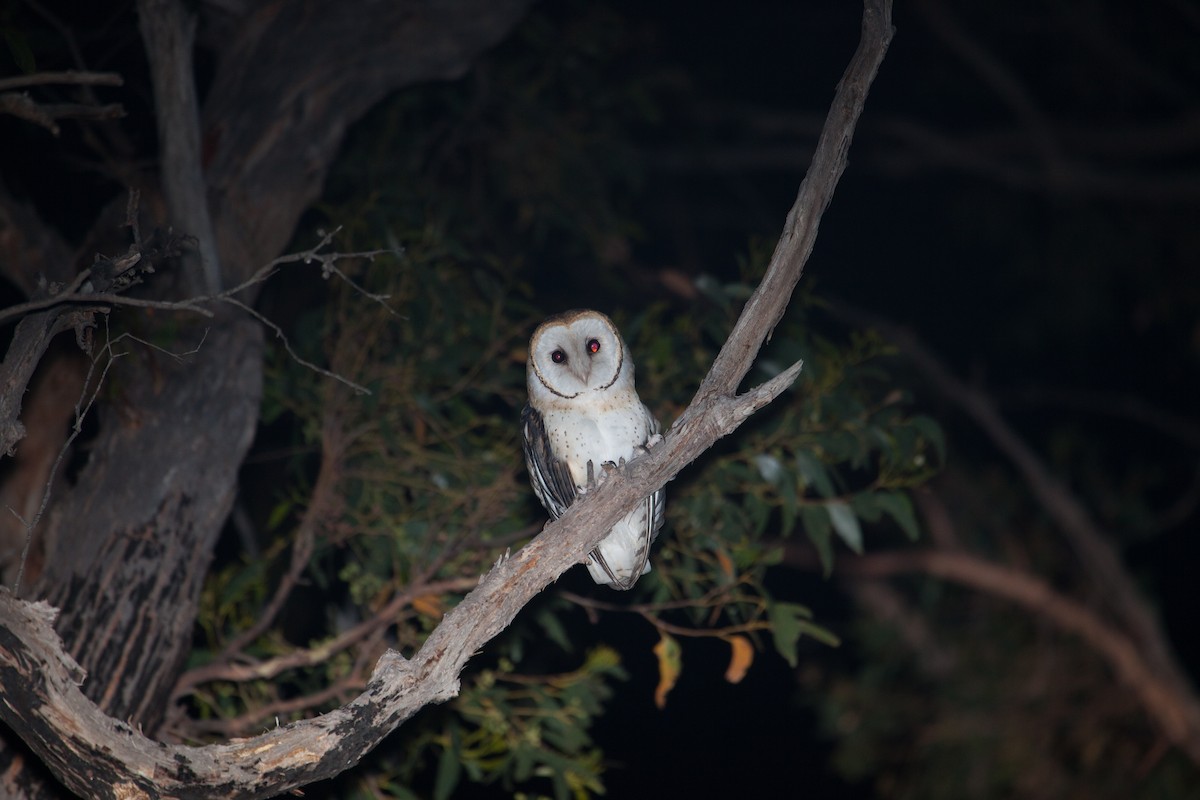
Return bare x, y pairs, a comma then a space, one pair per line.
92, 753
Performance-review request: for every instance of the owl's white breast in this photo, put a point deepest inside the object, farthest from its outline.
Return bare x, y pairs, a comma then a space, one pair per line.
600, 432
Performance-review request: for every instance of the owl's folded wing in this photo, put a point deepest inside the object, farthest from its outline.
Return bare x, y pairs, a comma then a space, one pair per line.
549, 475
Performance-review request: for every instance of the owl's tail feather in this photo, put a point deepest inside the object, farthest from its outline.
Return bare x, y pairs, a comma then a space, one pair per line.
605, 574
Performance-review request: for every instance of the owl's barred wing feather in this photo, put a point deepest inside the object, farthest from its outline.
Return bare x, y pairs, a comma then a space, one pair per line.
550, 476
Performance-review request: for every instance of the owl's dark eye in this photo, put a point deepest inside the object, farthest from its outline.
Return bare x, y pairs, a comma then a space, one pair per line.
593, 346
558, 357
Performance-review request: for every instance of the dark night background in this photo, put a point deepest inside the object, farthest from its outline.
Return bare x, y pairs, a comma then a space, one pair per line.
1023, 194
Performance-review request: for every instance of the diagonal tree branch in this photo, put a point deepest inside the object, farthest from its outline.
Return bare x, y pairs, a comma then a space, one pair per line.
766, 306
1174, 714
91, 752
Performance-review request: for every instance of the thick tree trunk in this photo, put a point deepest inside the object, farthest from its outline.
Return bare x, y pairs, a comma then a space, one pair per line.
128, 547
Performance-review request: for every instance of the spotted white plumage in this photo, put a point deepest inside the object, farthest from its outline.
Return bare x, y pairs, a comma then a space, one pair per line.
583, 408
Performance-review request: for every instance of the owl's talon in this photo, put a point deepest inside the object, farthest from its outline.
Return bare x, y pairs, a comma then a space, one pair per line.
653, 441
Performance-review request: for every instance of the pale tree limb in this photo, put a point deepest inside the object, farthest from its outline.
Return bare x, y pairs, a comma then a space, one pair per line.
169, 30
1158, 697
770, 300
91, 752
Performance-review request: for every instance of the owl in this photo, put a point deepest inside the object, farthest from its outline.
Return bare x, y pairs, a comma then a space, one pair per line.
584, 413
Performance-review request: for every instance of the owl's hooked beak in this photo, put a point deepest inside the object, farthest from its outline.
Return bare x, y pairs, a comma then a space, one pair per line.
583, 374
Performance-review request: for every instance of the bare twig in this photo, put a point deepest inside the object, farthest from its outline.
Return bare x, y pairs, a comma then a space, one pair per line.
98, 301
69, 76
48, 114
80, 291
649, 612
20, 104
239, 725
224, 669
287, 345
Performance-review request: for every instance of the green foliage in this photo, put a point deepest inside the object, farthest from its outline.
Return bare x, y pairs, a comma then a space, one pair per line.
520, 729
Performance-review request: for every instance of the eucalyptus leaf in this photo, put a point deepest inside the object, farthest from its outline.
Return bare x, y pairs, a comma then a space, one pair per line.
845, 524
814, 474
820, 532
786, 628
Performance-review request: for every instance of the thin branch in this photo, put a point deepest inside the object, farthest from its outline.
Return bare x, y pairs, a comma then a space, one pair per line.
20, 104
287, 345
648, 612
99, 301
69, 76
78, 293
766, 306
48, 114
237, 726
222, 669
